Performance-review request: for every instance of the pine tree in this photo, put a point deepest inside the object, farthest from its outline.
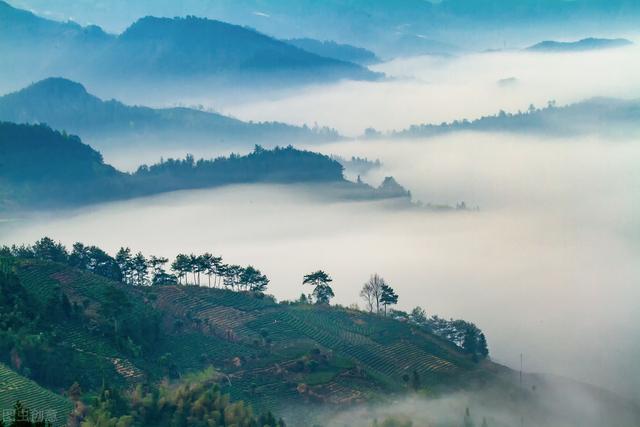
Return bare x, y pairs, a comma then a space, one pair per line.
322, 291
388, 297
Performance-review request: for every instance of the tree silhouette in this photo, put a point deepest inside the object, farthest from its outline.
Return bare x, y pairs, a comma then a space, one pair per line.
388, 297
253, 280
181, 266
371, 292
483, 349
160, 275
320, 281
140, 269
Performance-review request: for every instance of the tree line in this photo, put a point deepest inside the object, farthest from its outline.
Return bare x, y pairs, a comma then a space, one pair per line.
136, 269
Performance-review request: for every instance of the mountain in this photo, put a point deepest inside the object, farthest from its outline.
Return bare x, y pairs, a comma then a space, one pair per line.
100, 333
580, 45
197, 47
607, 116
64, 104
41, 167
383, 26
331, 49
156, 51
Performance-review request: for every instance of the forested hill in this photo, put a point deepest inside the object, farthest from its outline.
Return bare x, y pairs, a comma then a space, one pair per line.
43, 167
150, 341
65, 104
125, 321
608, 116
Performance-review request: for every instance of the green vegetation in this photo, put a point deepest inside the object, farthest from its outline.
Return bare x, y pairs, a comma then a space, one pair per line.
128, 331
42, 402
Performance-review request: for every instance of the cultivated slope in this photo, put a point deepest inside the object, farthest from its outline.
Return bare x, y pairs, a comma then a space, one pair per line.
275, 356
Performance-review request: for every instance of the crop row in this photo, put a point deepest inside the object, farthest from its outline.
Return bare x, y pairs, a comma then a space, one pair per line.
14, 388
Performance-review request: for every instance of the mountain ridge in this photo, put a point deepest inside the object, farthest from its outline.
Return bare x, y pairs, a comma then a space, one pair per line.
66, 104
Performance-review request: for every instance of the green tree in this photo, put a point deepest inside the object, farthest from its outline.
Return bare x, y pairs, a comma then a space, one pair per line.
159, 274
483, 349
470, 342
48, 250
320, 281
140, 269
388, 297
125, 262
181, 266
253, 280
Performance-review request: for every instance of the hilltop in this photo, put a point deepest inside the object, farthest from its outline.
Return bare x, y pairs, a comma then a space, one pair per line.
580, 45
65, 104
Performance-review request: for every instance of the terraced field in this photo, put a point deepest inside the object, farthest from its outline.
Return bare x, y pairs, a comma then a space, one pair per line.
273, 356
14, 387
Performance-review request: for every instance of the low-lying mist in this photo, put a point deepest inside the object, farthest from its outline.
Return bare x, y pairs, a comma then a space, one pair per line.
547, 267
433, 89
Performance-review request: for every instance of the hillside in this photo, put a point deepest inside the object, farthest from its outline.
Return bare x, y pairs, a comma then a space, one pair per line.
299, 360
339, 51
580, 45
605, 116
197, 47
274, 356
15, 387
40, 165
64, 104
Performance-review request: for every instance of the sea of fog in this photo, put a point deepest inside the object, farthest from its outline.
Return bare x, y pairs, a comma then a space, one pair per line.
548, 267
432, 89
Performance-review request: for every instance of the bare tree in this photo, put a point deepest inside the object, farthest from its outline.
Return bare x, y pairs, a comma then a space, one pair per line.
372, 292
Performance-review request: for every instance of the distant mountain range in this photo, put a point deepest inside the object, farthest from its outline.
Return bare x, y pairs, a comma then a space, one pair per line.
66, 105
155, 50
613, 117
383, 26
580, 45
